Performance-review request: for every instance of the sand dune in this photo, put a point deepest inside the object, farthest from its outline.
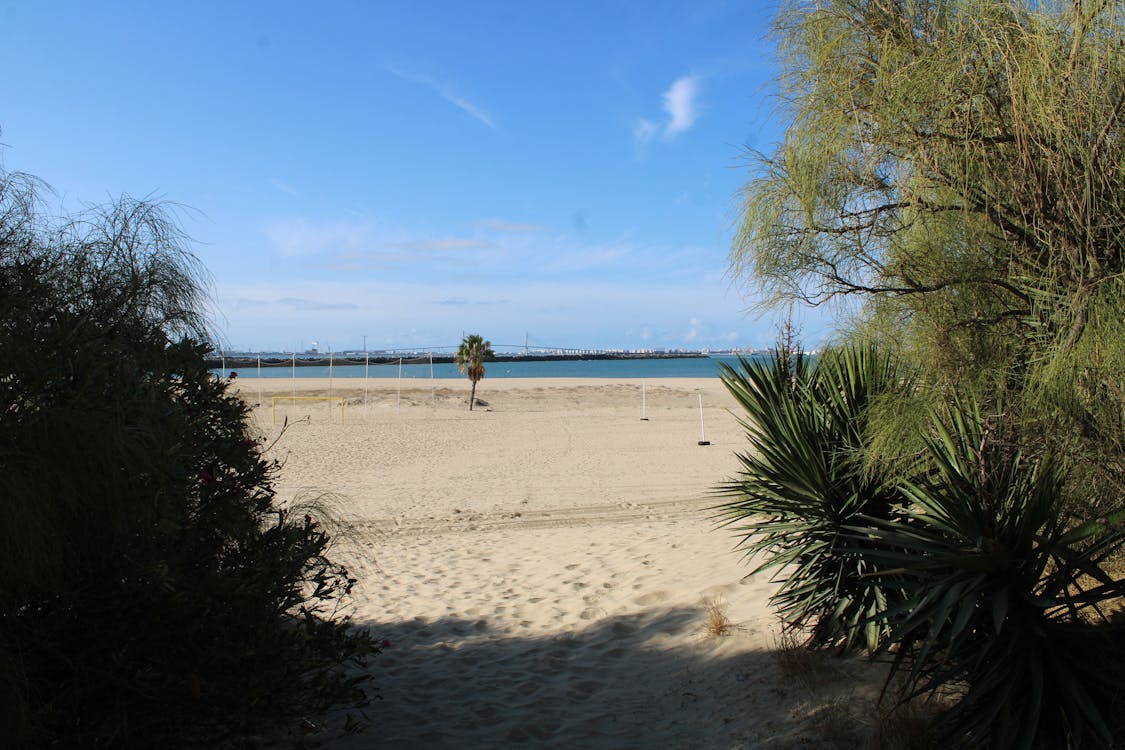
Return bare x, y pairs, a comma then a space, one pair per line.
543, 565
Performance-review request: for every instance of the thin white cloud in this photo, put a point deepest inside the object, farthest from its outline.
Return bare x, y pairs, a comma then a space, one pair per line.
301, 236
350, 239
516, 227
358, 261
644, 130
447, 92
679, 103
444, 243
308, 305
586, 258
696, 329
680, 108
284, 187
462, 302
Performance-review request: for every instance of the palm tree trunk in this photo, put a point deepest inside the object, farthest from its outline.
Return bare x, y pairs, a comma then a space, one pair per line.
473, 395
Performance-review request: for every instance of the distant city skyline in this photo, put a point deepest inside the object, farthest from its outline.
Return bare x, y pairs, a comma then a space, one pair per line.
407, 172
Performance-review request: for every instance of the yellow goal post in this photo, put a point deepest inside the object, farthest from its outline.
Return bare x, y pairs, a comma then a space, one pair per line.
275, 399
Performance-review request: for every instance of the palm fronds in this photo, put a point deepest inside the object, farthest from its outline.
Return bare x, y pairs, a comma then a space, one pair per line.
470, 357
803, 481
1004, 594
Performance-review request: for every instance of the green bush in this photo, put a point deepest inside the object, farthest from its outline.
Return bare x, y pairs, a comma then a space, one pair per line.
150, 583
804, 480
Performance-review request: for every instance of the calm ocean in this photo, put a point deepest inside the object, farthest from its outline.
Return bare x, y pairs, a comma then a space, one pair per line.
616, 369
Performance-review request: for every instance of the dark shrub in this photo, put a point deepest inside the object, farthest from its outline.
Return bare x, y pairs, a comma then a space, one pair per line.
150, 584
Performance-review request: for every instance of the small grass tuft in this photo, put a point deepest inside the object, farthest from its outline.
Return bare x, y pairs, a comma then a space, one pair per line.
718, 623
807, 666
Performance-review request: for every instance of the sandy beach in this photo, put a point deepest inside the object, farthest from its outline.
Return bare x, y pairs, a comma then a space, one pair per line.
544, 567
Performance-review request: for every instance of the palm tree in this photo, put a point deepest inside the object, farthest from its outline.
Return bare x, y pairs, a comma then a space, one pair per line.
471, 355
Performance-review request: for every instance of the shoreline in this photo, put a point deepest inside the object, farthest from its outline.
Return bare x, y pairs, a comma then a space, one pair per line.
353, 386
319, 360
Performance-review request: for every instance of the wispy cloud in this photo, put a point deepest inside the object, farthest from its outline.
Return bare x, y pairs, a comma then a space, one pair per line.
355, 261
355, 239
309, 305
681, 110
301, 236
586, 258
462, 302
696, 329
644, 131
446, 91
444, 243
284, 187
367, 261
515, 227
679, 103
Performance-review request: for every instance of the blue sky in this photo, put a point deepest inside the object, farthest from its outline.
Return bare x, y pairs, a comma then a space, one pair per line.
411, 171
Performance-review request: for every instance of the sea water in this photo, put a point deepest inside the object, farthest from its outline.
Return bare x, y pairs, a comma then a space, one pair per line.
613, 369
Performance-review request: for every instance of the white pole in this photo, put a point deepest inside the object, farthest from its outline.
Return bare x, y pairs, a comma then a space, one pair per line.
399, 402
293, 374
330, 372
702, 437
224, 367
366, 372
644, 403
433, 386
259, 380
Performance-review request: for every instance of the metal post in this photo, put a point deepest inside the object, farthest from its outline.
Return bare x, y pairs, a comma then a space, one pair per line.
702, 437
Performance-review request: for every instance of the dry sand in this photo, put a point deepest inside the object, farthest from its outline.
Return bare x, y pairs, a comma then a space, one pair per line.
542, 567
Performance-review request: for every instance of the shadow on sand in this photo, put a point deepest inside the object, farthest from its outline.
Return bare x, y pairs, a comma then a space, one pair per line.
454, 683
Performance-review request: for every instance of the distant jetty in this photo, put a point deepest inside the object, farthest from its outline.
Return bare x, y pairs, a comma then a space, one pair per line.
307, 359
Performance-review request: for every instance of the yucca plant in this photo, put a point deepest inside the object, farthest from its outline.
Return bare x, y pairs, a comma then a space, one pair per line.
1005, 596
803, 481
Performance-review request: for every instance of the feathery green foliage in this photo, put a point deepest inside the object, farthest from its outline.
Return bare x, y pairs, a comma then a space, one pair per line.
803, 481
470, 359
150, 584
958, 166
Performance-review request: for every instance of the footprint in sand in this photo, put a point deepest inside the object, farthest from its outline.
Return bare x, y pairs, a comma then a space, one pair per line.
654, 597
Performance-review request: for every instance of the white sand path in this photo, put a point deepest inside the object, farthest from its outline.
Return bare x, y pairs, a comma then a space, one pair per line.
542, 565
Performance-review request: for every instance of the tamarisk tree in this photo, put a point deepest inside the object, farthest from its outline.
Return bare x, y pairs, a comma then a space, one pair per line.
958, 168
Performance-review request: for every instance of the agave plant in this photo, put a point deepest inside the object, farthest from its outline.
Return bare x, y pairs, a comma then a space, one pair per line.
803, 481
1005, 595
